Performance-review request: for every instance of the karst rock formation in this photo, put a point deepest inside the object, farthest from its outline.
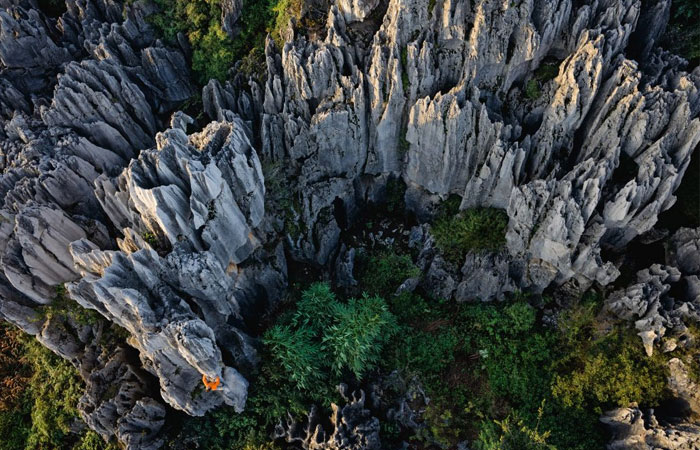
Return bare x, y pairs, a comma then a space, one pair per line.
172, 232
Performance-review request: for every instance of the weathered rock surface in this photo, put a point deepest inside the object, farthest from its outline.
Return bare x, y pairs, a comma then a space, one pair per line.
353, 427
166, 231
633, 429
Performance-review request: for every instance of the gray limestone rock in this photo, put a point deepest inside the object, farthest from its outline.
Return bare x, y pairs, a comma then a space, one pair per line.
230, 13
166, 232
649, 304
634, 430
353, 427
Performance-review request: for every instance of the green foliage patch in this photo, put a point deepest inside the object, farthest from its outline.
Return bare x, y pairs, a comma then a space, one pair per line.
383, 272
471, 230
46, 412
532, 90
213, 51
610, 372
331, 336
497, 376
63, 307
682, 33
306, 355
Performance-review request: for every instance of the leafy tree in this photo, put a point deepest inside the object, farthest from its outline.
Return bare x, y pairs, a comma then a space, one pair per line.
213, 52
359, 330
316, 307
326, 334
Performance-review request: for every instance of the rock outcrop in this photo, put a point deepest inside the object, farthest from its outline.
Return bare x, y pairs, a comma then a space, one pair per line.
353, 427
172, 232
633, 429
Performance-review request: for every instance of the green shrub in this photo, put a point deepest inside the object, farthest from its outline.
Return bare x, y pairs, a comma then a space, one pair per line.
316, 307
381, 274
212, 54
532, 90
405, 81
360, 329
297, 353
472, 230
327, 335
613, 372
284, 10
512, 433
546, 72
682, 33
213, 51
301, 356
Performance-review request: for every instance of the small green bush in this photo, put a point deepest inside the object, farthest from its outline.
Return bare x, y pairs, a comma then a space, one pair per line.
546, 72
512, 433
316, 307
472, 230
532, 89
381, 274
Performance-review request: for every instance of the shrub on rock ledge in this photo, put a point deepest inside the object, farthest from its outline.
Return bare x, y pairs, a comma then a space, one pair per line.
471, 230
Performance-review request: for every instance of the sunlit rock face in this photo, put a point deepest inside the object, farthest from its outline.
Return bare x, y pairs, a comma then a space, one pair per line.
447, 112
202, 197
564, 114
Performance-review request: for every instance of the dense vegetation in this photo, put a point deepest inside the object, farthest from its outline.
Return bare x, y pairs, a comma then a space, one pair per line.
214, 52
495, 373
508, 375
39, 396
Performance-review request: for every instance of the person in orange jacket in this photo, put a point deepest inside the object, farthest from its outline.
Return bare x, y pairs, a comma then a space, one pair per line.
211, 385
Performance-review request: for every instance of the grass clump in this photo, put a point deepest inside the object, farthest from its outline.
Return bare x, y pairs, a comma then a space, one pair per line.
472, 230
532, 90
63, 307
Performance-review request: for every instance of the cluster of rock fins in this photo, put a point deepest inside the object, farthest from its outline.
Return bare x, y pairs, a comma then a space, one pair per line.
171, 235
